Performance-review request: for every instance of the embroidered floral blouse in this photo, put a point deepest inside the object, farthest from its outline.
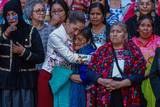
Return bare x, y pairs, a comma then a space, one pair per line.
99, 39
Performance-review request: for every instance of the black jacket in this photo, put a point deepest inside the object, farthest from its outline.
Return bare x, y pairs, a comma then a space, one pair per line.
155, 77
19, 71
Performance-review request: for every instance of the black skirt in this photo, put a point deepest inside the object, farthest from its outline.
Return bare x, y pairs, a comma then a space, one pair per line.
116, 96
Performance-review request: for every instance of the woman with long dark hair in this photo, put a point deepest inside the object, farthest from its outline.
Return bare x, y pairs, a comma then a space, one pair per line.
98, 25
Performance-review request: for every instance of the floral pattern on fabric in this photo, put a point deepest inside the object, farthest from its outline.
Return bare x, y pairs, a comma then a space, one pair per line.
102, 63
99, 39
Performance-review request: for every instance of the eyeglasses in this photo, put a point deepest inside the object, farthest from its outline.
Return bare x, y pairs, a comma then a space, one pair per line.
39, 11
57, 11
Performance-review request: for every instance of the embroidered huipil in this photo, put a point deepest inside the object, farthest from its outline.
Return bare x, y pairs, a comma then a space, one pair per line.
99, 39
134, 66
148, 51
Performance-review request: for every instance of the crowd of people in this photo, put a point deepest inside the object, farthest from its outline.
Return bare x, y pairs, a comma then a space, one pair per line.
79, 53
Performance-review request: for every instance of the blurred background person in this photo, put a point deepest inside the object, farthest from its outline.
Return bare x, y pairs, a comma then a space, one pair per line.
47, 5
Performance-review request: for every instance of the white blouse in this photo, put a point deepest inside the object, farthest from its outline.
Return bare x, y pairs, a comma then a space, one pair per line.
59, 50
116, 72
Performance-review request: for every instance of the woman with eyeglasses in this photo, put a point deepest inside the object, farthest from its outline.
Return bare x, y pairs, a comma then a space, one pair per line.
37, 16
21, 49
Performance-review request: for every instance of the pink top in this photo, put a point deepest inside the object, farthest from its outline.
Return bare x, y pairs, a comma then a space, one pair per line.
2, 3
148, 48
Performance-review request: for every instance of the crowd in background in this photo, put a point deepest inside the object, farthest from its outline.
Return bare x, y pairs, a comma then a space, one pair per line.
79, 53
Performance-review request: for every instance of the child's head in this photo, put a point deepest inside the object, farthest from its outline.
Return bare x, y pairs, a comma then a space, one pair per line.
82, 39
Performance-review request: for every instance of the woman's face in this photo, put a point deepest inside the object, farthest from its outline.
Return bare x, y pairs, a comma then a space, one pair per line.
38, 13
96, 16
145, 28
58, 13
117, 35
12, 18
145, 6
73, 29
79, 41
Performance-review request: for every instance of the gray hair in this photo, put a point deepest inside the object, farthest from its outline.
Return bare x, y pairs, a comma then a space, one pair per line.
124, 28
28, 9
76, 16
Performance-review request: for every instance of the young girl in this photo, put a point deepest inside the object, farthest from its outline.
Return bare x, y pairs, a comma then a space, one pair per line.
83, 45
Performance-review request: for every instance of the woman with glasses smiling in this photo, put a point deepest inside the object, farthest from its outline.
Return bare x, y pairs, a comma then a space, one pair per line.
37, 17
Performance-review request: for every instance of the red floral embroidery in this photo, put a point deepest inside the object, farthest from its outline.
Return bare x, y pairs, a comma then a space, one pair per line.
102, 63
